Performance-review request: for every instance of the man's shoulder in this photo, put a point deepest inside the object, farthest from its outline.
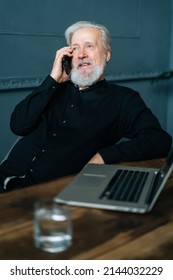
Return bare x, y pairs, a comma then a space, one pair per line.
120, 90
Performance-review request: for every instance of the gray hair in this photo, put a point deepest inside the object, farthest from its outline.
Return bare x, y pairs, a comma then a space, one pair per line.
83, 24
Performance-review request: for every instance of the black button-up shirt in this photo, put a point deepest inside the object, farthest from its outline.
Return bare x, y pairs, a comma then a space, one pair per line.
63, 128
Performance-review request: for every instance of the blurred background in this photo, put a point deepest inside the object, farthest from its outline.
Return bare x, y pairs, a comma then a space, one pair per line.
142, 49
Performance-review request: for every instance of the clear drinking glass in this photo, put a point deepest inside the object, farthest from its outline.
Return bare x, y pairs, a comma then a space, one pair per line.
52, 226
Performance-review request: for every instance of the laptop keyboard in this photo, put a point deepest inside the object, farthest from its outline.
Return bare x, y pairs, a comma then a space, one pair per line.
126, 185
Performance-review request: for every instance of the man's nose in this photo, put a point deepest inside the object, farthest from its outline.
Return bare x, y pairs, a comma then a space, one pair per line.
82, 53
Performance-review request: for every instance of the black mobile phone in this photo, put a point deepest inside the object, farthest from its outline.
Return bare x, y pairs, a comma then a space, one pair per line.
66, 64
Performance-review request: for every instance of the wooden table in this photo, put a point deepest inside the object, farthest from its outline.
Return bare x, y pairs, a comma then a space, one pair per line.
97, 234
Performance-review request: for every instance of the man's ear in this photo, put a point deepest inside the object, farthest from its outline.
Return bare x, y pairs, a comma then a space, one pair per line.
108, 56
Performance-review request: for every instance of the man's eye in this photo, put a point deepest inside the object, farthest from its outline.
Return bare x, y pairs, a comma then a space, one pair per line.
75, 49
90, 46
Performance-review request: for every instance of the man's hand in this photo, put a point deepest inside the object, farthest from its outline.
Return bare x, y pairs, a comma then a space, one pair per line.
57, 73
97, 159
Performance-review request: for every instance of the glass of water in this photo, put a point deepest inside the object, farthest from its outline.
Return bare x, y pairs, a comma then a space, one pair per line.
52, 226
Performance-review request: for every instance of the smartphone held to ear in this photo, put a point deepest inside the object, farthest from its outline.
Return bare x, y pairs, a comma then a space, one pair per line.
66, 64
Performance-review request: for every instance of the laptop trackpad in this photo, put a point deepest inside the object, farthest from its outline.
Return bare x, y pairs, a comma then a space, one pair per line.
90, 180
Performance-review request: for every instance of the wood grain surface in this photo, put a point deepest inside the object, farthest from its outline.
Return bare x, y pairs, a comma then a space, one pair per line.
97, 234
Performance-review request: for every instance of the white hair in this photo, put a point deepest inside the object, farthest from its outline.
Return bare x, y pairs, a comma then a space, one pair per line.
106, 41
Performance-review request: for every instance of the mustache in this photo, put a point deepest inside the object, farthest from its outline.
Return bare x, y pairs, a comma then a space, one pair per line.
84, 61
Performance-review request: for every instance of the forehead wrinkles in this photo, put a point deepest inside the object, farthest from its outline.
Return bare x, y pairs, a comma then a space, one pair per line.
82, 35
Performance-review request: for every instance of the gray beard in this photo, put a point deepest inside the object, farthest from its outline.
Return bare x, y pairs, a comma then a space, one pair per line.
85, 78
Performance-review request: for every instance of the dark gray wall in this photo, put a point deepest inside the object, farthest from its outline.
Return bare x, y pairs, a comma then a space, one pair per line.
32, 31
170, 94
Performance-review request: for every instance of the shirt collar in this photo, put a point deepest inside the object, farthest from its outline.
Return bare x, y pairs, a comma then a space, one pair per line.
102, 83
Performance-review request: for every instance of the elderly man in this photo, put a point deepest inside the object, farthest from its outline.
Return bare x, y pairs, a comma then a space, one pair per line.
75, 116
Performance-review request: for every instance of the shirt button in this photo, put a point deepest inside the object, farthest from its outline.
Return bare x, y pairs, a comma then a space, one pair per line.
54, 134
31, 170
71, 105
64, 121
43, 150
34, 158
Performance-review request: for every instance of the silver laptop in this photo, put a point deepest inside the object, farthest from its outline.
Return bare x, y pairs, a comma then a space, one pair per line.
116, 187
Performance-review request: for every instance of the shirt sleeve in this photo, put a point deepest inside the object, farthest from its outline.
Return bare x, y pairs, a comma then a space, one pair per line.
27, 114
142, 137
